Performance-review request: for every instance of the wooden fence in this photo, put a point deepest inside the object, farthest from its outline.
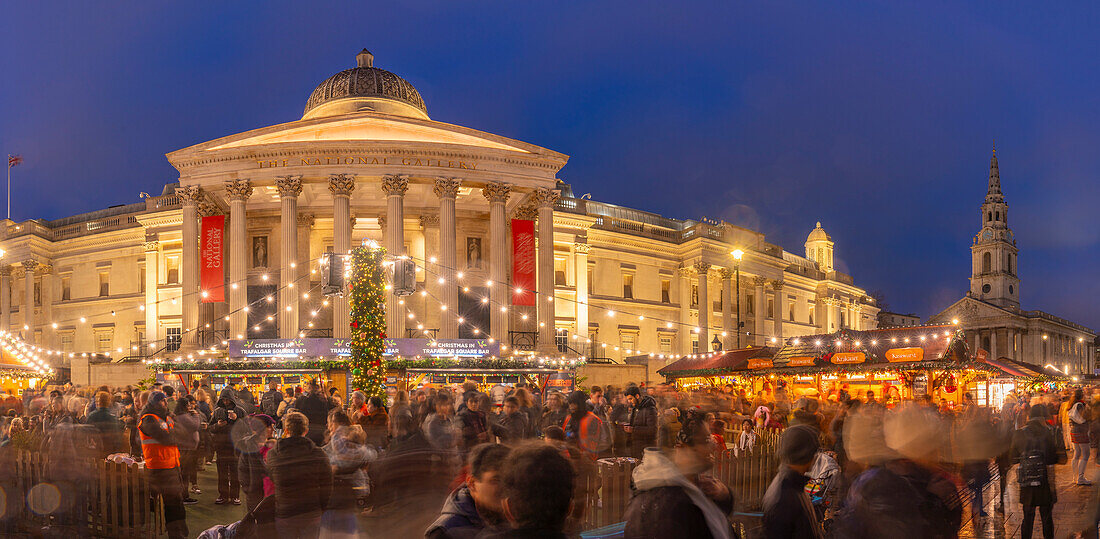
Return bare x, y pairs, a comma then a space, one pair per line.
110, 500
748, 476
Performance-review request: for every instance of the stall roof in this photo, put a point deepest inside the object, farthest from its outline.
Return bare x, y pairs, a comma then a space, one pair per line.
915, 347
717, 363
1014, 369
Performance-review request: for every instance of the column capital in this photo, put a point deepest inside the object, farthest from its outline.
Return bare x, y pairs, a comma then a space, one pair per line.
190, 195
725, 273
239, 189
395, 184
777, 284
446, 187
759, 281
288, 186
701, 267
29, 265
341, 184
429, 220
150, 246
45, 268
546, 198
5, 271
496, 192
581, 248
305, 219
208, 208
685, 271
528, 212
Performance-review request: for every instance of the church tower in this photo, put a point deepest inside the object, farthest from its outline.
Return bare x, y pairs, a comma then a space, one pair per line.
993, 275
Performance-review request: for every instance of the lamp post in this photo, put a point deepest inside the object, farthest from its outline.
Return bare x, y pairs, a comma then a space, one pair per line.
716, 344
737, 254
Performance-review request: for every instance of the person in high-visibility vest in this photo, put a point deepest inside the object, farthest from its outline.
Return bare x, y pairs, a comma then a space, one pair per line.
581, 426
162, 463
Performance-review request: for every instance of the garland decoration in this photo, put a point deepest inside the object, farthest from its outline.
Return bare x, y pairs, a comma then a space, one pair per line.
368, 321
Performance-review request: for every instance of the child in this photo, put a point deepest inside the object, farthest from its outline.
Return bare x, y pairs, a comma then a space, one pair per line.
747, 440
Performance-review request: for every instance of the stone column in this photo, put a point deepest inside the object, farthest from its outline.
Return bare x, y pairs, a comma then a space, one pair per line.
683, 333
152, 278
395, 187
447, 189
545, 199
5, 298
304, 265
727, 308
497, 195
45, 292
341, 187
703, 271
993, 344
289, 188
429, 226
580, 265
28, 300
760, 310
777, 312
190, 197
238, 192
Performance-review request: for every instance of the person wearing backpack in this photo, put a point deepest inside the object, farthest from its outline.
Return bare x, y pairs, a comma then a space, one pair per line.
1035, 448
270, 400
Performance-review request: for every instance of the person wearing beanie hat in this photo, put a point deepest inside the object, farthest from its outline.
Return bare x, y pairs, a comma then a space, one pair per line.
1036, 449
162, 463
787, 508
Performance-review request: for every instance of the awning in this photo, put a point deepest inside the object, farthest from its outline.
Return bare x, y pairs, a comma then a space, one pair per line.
1014, 369
718, 363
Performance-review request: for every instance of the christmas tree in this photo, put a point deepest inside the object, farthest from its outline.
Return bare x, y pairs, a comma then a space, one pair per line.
368, 321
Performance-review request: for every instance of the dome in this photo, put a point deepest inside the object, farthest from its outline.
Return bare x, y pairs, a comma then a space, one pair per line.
818, 234
365, 88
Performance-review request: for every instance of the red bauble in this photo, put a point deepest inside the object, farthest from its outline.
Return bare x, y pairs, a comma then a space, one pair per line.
382, 334
355, 324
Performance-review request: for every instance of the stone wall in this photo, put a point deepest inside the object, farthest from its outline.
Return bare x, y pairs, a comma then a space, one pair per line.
615, 375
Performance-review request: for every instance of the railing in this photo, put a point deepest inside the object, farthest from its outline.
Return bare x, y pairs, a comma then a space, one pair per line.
1052, 318
426, 333
318, 332
111, 500
524, 341
211, 337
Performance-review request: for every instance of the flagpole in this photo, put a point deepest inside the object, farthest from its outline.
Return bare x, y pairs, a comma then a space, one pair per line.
9, 187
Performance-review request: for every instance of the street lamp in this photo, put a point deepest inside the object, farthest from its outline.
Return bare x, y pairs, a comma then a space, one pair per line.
737, 254
716, 344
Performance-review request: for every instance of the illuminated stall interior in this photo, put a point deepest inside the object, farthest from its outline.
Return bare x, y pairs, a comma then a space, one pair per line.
719, 369
21, 366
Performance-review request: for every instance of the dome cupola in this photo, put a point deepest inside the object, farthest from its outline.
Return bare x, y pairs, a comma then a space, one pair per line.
365, 88
819, 248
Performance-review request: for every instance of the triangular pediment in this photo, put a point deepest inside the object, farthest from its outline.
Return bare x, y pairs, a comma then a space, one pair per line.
370, 127
969, 309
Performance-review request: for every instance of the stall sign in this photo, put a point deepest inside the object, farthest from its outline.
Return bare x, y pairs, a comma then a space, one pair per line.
845, 358
801, 361
914, 353
255, 380
342, 347
762, 363
439, 379
442, 347
268, 347
981, 354
561, 381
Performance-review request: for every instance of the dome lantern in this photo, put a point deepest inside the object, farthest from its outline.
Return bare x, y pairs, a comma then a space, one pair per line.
365, 88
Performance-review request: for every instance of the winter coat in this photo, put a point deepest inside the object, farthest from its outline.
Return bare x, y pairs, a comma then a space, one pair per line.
405, 473
1037, 434
667, 504
302, 477
186, 431
376, 425
551, 417
315, 407
109, 437
643, 424
474, 430
459, 518
1079, 423
349, 480
787, 509
511, 428
270, 401
223, 442
441, 432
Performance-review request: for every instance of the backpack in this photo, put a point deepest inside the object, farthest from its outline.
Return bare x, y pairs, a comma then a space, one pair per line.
1033, 466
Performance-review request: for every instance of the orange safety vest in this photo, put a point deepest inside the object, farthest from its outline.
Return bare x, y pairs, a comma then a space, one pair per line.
589, 440
157, 455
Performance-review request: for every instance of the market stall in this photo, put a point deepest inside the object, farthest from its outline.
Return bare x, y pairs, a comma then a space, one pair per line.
715, 370
1008, 375
21, 368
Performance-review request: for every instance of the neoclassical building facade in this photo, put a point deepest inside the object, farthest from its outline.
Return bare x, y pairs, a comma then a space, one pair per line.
990, 313
365, 163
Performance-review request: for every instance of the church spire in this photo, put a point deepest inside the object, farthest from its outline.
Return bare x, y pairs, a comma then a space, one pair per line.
994, 193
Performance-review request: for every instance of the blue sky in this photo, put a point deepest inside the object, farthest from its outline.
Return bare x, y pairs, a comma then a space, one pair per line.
876, 120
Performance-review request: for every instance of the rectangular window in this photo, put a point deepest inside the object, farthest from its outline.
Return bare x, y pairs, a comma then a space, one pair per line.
172, 270
790, 310
66, 341
664, 342
104, 284
811, 310
591, 285
628, 286
66, 288
561, 339
559, 272
749, 304
666, 291
771, 308
141, 278
626, 343
695, 344
103, 341
173, 338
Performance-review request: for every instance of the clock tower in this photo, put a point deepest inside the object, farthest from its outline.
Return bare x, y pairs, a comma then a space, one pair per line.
993, 276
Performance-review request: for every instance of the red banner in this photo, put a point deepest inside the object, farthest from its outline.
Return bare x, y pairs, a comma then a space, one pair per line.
523, 261
212, 275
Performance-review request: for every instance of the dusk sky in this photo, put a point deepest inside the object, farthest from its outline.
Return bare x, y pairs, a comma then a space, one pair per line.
877, 120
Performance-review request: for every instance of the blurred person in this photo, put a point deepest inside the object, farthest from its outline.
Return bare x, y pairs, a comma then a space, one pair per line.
401, 403
376, 422
186, 435
162, 463
302, 477
554, 412
348, 454
675, 496
1079, 418
472, 423
618, 417
440, 426
285, 405
254, 445
511, 423
582, 427
641, 429
109, 437
476, 505
225, 417
404, 474
537, 488
269, 401
766, 420
1035, 448
718, 433
315, 406
669, 428
787, 509
422, 406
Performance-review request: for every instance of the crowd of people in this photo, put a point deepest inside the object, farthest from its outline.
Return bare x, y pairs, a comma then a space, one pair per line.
512, 462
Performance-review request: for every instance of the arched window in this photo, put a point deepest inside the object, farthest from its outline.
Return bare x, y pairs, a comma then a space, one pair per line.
987, 262
989, 216
997, 215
